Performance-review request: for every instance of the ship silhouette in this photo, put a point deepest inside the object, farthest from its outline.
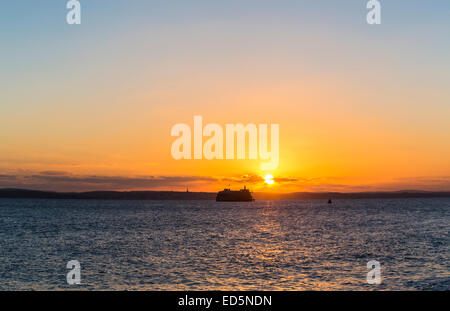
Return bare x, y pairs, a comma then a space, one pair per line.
228, 195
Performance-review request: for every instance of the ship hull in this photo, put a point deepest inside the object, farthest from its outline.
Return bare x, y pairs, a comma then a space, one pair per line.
233, 200
234, 196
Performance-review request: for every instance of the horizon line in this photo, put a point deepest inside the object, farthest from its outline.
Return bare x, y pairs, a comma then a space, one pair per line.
211, 192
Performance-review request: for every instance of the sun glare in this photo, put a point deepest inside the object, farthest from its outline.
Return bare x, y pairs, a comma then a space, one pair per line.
268, 179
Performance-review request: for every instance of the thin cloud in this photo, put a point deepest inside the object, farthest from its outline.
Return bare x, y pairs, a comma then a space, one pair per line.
63, 181
53, 173
67, 182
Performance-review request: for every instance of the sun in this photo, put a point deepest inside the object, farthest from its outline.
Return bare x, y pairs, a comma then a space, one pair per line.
268, 179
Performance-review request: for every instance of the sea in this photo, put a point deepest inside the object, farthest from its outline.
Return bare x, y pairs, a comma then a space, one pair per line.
205, 245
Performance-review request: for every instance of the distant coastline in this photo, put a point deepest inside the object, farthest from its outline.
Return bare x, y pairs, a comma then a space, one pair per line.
174, 195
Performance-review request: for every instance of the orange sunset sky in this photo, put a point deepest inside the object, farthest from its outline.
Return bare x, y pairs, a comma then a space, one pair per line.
91, 107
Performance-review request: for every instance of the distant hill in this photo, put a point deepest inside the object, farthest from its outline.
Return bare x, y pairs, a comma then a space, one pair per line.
107, 195
173, 195
352, 195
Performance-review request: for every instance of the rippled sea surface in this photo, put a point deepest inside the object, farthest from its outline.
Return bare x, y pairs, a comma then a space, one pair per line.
204, 245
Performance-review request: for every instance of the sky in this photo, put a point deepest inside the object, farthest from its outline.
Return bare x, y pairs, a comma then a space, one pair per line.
90, 107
